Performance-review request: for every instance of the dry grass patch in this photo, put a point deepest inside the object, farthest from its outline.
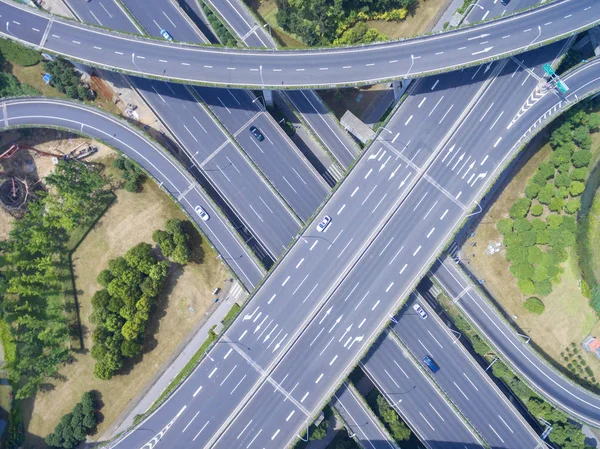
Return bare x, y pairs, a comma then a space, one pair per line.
423, 19
131, 219
568, 316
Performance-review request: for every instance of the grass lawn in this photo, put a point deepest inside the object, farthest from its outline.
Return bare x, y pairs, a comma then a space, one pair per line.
568, 317
129, 220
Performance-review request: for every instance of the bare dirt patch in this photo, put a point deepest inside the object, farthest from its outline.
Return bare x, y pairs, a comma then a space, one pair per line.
130, 219
568, 318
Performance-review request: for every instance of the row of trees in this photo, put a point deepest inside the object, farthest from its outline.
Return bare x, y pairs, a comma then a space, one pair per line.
76, 425
121, 310
397, 428
322, 22
536, 247
565, 434
35, 264
132, 284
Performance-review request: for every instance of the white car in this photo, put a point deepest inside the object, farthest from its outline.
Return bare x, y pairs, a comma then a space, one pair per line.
324, 223
202, 213
420, 311
166, 35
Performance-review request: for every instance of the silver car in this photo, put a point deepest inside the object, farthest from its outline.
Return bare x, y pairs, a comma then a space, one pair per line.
420, 311
324, 223
202, 213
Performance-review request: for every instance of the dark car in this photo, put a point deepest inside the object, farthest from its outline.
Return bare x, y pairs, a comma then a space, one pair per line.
431, 364
505, 2
256, 133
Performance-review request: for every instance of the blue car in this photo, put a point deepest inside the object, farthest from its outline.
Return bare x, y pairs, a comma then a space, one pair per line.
166, 35
431, 364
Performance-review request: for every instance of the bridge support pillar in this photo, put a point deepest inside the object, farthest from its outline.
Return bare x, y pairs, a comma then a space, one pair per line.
399, 87
268, 96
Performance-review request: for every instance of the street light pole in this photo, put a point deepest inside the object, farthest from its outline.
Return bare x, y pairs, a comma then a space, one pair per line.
535, 38
412, 61
261, 75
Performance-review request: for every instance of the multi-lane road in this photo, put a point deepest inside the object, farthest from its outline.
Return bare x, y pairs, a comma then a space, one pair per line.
272, 361
577, 401
288, 69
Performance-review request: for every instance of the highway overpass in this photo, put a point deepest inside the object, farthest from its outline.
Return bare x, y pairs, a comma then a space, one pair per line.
300, 68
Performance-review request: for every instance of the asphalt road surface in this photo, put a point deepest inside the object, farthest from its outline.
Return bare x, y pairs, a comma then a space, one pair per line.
238, 184
306, 68
414, 396
574, 400
463, 381
172, 177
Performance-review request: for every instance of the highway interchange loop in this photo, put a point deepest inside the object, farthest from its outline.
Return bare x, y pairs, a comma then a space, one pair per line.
299, 68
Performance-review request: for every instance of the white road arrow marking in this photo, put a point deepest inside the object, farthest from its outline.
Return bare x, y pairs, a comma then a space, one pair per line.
356, 340
336, 323
468, 169
481, 36
269, 334
250, 315
276, 347
326, 314
479, 176
394, 172
450, 150
458, 161
485, 50
345, 332
385, 163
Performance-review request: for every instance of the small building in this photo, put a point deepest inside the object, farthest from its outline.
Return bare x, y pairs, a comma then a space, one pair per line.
356, 127
592, 344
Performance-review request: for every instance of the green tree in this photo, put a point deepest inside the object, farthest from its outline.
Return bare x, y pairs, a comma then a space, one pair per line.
581, 158
505, 225
532, 189
397, 428
582, 138
576, 188
536, 210
522, 225
562, 180
543, 288
526, 286
556, 204
572, 206
580, 174
520, 208
546, 194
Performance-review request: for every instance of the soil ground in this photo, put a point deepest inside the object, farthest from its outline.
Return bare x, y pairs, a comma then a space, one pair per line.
130, 219
568, 318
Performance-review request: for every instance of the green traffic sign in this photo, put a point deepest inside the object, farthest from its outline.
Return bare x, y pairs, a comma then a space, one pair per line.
562, 87
548, 69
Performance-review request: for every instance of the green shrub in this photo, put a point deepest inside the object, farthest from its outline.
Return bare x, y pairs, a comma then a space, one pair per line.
536, 210
534, 305
580, 174
532, 189
542, 237
537, 224
505, 225
521, 225
572, 206
560, 156
581, 158
582, 138
546, 194
543, 288
526, 286
19, 54
522, 270
534, 254
576, 188
554, 221
528, 238
556, 204
562, 179
520, 208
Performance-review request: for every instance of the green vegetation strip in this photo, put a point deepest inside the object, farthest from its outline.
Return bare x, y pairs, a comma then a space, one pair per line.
565, 433
183, 374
